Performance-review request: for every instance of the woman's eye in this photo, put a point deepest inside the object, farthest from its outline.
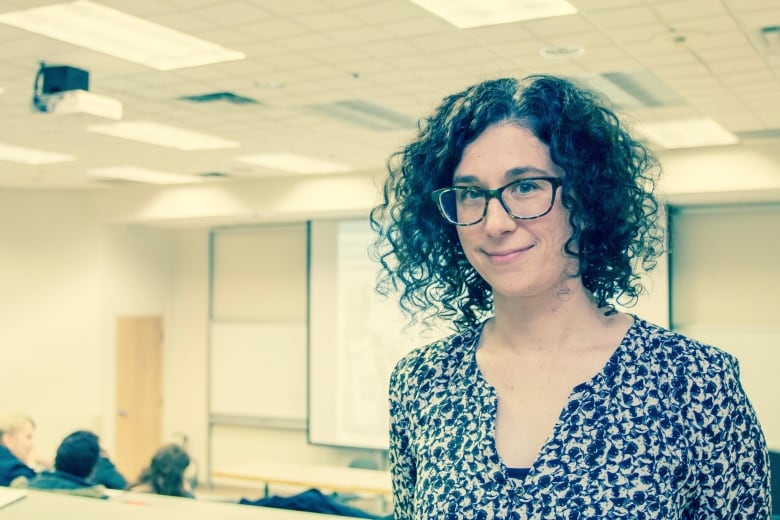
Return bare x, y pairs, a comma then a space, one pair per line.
523, 187
469, 194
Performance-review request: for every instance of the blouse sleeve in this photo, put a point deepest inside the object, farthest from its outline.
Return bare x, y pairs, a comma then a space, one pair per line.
402, 465
734, 477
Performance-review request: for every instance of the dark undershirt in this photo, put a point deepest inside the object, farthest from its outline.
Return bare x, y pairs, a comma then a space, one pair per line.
518, 473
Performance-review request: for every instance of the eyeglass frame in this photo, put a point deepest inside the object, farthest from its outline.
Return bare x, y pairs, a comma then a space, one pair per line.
555, 182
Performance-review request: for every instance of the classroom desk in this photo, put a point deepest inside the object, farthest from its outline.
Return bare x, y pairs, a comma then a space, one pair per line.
42, 505
327, 478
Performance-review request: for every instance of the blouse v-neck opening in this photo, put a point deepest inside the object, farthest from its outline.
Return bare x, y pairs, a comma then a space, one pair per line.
576, 391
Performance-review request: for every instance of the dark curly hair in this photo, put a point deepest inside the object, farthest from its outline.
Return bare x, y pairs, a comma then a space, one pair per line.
165, 474
608, 191
78, 454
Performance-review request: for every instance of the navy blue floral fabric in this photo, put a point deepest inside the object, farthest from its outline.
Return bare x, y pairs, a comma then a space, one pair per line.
663, 431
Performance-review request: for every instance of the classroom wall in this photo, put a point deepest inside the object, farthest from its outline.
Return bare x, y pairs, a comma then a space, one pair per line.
66, 275
65, 278
725, 274
50, 293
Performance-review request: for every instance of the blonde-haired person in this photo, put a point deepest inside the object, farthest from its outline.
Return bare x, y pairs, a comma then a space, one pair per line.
16, 449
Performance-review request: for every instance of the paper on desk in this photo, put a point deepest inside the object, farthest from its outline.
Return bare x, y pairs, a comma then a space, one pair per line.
9, 496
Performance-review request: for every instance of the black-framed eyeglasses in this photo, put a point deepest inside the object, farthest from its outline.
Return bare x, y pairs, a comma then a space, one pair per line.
524, 199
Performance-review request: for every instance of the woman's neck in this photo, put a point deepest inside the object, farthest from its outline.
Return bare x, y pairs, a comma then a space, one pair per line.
563, 321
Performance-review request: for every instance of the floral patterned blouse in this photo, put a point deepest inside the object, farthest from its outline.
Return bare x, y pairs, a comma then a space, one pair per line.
663, 431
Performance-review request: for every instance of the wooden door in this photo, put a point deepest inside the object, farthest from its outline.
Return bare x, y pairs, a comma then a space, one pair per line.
138, 392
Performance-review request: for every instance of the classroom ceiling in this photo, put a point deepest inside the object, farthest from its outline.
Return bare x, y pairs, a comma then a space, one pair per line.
319, 73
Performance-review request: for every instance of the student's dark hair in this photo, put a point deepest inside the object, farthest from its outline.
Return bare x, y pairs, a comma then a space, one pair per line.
78, 453
165, 474
608, 190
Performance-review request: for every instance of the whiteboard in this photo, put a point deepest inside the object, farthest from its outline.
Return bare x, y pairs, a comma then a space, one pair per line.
258, 370
356, 338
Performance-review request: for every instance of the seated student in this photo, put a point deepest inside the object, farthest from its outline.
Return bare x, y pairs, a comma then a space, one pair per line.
74, 463
167, 474
106, 473
16, 446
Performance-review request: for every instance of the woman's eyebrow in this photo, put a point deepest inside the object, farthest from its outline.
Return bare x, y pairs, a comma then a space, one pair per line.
509, 175
522, 170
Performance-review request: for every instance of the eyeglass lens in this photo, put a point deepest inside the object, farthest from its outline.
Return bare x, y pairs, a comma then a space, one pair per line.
523, 199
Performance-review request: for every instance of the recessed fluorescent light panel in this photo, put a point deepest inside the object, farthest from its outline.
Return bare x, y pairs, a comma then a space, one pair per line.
163, 135
687, 133
293, 163
23, 155
476, 13
100, 28
138, 174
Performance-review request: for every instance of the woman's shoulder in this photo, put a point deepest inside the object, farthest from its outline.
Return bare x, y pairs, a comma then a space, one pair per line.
678, 353
435, 356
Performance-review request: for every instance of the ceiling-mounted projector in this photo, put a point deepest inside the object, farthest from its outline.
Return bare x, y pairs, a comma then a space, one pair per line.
62, 89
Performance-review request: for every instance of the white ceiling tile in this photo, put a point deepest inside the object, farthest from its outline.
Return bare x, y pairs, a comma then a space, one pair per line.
602, 63
770, 118
764, 17
466, 56
359, 36
183, 21
377, 13
507, 32
441, 41
337, 55
271, 29
757, 88
749, 5
317, 74
638, 34
328, 21
291, 60
421, 25
623, 17
387, 48
232, 13
692, 69
586, 39
736, 66
568, 25
688, 9
662, 62
598, 5
306, 42
725, 52
293, 7
711, 25
414, 62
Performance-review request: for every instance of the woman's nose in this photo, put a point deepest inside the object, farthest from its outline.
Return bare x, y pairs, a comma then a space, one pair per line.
497, 220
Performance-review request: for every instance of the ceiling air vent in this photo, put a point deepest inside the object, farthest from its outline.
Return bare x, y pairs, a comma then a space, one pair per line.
771, 37
767, 135
213, 175
637, 88
366, 114
213, 97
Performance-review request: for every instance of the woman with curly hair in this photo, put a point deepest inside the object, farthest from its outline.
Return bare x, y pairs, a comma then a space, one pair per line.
523, 212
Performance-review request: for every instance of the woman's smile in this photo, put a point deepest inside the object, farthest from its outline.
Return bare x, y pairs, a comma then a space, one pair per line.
506, 256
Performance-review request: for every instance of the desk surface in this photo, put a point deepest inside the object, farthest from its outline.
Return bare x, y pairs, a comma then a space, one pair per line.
41, 504
333, 478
